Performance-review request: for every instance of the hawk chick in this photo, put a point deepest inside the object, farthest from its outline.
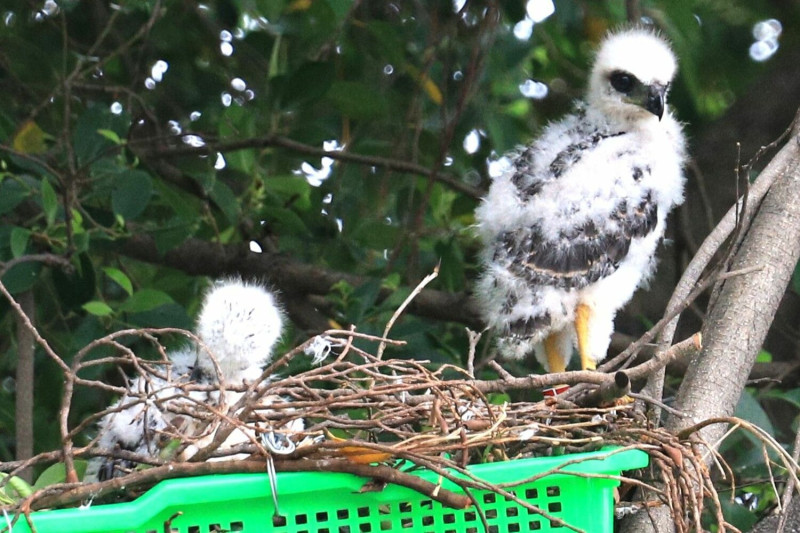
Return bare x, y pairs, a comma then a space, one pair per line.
571, 227
240, 324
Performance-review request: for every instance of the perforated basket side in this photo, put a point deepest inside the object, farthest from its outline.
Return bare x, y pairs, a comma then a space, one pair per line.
316, 502
589, 510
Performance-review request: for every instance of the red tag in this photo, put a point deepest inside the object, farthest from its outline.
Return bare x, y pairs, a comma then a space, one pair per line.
555, 391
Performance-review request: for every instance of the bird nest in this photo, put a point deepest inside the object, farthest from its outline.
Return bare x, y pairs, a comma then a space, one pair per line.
367, 415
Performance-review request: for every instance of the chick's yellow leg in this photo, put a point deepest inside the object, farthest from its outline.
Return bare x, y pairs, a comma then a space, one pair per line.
555, 359
557, 352
583, 315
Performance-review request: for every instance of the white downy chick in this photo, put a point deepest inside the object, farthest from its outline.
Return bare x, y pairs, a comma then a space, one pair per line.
143, 421
240, 324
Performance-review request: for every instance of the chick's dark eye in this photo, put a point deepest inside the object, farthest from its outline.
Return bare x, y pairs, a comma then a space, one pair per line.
622, 82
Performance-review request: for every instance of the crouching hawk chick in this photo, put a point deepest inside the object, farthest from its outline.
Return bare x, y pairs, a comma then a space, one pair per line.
571, 227
239, 326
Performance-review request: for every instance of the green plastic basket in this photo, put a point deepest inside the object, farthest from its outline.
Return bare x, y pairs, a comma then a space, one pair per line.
315, 502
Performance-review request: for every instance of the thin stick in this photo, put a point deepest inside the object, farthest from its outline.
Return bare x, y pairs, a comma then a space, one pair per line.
474, 338
418, 289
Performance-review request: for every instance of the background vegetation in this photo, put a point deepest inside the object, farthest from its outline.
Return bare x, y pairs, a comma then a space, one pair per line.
336, 149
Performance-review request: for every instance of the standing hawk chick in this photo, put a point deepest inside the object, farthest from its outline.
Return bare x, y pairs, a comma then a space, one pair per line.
571, 227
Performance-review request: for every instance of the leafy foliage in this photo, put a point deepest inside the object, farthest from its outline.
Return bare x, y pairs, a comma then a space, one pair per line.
329, 132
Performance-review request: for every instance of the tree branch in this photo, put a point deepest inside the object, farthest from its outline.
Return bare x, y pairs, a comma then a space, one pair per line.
24, 385
739, 321
157, 151
202, 258
710, 249
43, 500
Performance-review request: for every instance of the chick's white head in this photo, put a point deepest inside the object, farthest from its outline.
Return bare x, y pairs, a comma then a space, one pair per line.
240, 323
631, 75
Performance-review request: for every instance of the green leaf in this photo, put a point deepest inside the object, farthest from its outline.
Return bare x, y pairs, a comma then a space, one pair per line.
749, 409
12, 193
111, 135
389, 43
77, 222
376, 236
308, 83
237, 122
271, 9
132, 192
145, 300
171, 234
120, 278
792, 396
30, 139
392, 281
357, 100
451, 272
740, 517
13, 489
97, 308
364, 297
170, 315
19, 241
225, 199
499, 398
276, 65
49, 202
88, 141
22, 276
294, 189
184, 205
340, 9
286, 220
57, 473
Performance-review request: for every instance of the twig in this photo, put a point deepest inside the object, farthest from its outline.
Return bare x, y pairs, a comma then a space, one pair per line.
420, 413
474, 338
65, 494
300, 148
709, 250
789, 463
659, 403
22, 317
421, 285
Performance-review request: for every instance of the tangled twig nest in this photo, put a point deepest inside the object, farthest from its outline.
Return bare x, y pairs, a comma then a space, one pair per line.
363, 415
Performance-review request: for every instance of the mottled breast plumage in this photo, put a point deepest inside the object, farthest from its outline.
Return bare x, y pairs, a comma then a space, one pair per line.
581, 253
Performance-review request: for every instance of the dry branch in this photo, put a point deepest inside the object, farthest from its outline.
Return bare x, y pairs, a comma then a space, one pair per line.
765, 239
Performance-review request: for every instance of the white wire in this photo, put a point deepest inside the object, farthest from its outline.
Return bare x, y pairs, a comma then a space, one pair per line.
8, 522
273, 483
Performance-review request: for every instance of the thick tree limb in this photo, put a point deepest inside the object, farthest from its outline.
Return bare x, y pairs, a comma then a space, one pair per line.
739, 321
24, 385
710, 248
202, 258
282, 142
737, 325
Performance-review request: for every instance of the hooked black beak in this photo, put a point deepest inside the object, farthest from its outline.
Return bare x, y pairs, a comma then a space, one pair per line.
654, 100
